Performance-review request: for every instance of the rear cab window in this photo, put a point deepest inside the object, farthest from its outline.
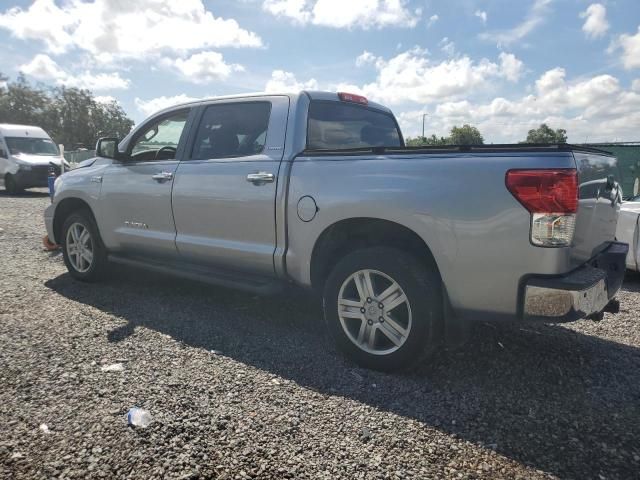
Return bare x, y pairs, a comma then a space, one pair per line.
341, 125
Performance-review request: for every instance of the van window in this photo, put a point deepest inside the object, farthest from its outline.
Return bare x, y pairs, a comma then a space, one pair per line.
232, 130
31, 146
337, 125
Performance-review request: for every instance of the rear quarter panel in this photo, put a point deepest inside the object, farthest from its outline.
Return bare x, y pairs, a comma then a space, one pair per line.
459, 205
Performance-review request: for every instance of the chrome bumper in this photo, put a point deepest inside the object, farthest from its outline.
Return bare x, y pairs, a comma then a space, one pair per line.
582, 293
551, 302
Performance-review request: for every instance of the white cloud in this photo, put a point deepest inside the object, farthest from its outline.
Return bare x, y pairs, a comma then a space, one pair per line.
296, 10
447, 46
630, 46
117, 28
105, 99
345, 14
635, 85
432, 19
153, 105
511, 66
42, 67
412, 77
597, 108
537, 14
365, 58
282, 81
595, 24
204, 67
482, 15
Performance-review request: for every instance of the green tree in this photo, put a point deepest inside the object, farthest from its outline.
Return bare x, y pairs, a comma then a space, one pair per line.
21, 103
545, 134
431, 141
71, 116
466, 135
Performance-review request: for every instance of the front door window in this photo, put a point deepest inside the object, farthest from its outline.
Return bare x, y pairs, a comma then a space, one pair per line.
160, 140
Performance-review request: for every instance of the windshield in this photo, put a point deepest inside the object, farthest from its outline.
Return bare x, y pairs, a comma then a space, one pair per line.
31, 146
338, 125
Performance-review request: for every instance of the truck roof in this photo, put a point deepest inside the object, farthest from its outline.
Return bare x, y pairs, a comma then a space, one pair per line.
312, 94
10, 130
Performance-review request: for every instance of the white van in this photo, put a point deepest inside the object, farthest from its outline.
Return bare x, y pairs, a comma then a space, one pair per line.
25, 156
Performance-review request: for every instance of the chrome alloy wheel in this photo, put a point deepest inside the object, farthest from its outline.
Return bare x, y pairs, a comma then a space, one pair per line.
374, 312
79, 247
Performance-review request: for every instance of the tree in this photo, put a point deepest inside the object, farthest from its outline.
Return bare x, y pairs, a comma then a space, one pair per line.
466, 135
431, 141
71, 116
545, 134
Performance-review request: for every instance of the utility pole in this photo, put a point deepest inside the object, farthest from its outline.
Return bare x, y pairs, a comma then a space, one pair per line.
423, 117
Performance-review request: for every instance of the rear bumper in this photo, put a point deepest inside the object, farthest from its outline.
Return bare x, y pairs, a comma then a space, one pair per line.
581, 293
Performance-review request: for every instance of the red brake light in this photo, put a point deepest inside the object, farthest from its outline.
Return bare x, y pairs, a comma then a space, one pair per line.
545, 191
353, 98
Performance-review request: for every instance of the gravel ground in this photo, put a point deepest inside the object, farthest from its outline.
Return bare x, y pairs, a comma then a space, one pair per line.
247, 387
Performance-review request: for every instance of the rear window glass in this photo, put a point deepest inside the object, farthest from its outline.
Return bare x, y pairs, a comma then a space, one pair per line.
336, 125
232, 130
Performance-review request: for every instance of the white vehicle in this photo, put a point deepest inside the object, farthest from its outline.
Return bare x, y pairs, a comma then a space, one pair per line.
628, 231
26, 153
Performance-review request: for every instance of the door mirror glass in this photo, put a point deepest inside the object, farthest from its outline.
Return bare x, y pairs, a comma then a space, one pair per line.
107, 147
3, 154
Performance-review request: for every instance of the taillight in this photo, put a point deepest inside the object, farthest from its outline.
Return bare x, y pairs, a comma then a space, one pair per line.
551, 196
353, 98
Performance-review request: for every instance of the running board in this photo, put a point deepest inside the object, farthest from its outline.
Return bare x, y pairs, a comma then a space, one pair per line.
238, 281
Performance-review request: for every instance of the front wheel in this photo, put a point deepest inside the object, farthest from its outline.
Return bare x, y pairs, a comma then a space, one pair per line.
382, 307
10, 185
84, 254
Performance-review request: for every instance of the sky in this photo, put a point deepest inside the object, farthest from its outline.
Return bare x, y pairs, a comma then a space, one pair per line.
504, 66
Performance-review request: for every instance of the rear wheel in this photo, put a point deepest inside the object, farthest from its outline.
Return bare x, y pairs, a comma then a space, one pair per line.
10, 184
83, 251
382, 306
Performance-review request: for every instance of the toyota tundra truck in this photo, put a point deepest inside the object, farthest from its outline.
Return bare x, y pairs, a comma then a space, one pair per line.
405, 245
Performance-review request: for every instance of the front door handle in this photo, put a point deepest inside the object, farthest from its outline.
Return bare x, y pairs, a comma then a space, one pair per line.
260, 178
162, 176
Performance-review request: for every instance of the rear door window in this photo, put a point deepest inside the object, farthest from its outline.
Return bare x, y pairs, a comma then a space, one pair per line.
339, 125
232, 130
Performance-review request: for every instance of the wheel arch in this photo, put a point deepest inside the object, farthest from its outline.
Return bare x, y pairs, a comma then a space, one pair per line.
65, 208
347, 235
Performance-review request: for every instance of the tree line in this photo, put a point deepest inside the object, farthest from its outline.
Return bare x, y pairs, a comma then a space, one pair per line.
470, 135
71, 116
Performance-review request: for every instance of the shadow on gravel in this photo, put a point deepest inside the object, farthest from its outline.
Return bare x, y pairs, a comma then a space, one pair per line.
545, 396
24, 194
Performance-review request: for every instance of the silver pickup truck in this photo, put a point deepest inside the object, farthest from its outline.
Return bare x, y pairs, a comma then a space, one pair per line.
406, 246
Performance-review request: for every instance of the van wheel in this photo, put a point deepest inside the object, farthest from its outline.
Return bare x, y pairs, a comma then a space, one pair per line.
383, 307
10, 185
84, 254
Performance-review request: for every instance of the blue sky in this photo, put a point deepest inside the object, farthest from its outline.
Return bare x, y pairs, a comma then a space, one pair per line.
502, 65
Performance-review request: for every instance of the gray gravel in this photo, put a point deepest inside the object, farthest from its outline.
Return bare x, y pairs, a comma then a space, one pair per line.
248, 387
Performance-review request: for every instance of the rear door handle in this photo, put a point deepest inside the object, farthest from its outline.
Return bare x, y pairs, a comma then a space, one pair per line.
162, 176
260, 178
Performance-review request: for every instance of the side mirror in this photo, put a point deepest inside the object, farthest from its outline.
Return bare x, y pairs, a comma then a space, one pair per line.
107, 147
3, 154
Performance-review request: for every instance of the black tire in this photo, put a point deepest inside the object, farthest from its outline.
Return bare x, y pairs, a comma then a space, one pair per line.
98, 266
10, 185
421, 286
